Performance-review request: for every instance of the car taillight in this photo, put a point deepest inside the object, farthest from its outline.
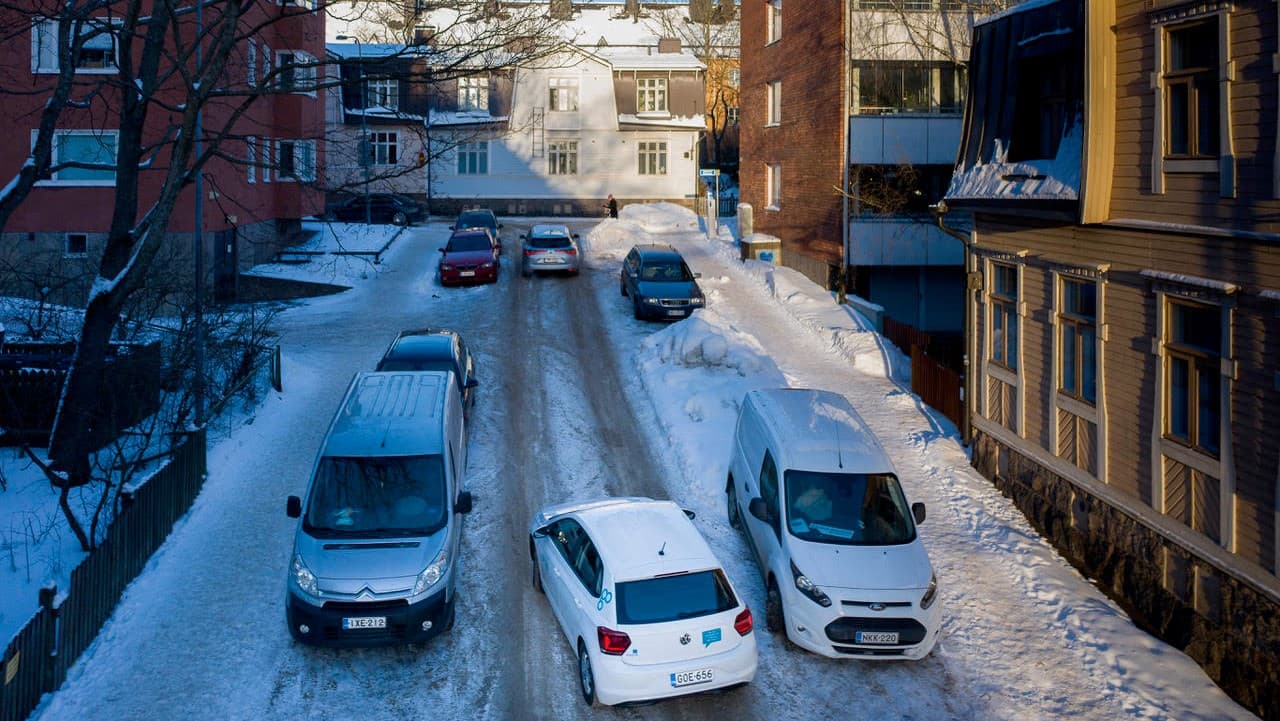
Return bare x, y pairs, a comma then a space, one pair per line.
570, 251
531, 251
743, 623
614, 643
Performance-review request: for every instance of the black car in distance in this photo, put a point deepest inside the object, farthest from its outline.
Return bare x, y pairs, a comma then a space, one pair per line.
383, 208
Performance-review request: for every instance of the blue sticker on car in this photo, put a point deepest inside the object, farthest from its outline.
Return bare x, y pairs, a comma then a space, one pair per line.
606, 597
710, 636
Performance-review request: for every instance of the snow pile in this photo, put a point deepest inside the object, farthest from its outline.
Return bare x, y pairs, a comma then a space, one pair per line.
708, 340
611, 239
660, 217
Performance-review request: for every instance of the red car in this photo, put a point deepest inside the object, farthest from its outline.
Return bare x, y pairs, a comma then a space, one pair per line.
470, 256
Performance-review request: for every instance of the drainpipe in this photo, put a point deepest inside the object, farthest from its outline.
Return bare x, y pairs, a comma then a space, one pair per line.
939, 211
846, 16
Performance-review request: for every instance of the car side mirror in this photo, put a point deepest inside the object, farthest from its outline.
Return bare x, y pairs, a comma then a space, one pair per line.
697, 275
464, 503
499, 226
452, 228
758, 508
576, 236
917, 510
293, 507
471, 383
442, 250
524, 236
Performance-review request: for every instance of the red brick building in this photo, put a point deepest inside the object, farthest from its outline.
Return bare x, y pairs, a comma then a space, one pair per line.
254, 196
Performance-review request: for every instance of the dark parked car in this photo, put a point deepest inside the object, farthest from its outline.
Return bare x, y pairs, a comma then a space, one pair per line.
480, 218
383, 208
438, 349
659, 283
470, 256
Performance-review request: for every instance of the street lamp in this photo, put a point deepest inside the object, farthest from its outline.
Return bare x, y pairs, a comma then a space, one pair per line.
363, 148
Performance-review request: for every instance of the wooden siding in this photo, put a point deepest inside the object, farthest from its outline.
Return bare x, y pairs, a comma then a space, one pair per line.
1128, 366
1193, 198
686, 94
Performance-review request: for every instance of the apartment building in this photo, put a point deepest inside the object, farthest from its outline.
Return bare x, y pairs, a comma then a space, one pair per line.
255, 192
1119, 159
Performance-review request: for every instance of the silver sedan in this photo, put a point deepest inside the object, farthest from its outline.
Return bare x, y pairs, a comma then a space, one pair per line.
550, 248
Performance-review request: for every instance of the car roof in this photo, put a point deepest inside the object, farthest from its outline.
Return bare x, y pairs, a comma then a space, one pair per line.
477, 230
550, 229
642, 538
658, 252
384, 414
820, 431
478, 211
425, 342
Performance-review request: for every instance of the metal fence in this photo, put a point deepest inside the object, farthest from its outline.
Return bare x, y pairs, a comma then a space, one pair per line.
727, 208
36, 660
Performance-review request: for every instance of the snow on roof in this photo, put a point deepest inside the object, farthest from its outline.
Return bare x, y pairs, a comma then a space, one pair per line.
820, 430
1208, 283
464, 117
630, 59
998, 178
1021, 7
693, 122
366, 51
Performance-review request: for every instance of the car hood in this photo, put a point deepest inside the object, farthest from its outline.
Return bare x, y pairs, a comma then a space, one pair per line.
669, 289
466, 256
382, 565
864, 568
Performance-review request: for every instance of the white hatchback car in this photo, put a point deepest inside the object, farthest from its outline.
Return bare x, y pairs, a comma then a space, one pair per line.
641, 599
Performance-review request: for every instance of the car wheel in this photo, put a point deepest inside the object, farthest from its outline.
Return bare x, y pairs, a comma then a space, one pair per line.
400, 218
622, 287
586, 680
774, 617
635, 309
537, 570
452, 614
731, 505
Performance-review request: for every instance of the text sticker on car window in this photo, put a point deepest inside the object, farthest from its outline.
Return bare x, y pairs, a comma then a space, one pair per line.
606, 597
710, 636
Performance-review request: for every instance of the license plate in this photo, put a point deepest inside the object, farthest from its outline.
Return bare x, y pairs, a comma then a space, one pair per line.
690, 678
364, 622
889, 637
551, 261
466, 273
675, 312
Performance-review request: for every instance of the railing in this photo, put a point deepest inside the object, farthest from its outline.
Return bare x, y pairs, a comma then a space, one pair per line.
36, 660
931, 379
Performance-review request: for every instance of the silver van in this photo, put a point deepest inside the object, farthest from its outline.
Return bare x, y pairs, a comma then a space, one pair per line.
376, 549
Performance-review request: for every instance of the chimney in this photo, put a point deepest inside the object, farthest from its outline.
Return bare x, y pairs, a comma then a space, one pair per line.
668, 45
560, 10
424, 34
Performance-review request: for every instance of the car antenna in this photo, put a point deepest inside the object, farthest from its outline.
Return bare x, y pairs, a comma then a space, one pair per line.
663, 551
839, 455
386, 432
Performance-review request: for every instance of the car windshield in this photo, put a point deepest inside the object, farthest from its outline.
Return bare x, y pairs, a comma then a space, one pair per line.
665, 272
416, 364
377, 497
465, 243
673, 598
857, 509
549, 241
476, 220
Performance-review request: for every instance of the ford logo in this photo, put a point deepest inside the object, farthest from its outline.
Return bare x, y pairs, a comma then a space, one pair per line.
685, 639
877, 607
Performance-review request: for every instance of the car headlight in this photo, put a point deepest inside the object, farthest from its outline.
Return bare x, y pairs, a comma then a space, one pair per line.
303, 577
432, 574
486, 264
652, 301
697, 301
930, 593
809, 588
446, 266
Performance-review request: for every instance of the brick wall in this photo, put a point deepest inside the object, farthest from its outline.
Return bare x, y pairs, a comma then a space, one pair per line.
809, 141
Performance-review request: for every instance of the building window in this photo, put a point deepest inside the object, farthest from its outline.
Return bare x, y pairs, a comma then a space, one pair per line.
1040, 108
382, 147
382, 93
651, 95
1191, 95
1004, 315
251, 64
653, 158
773, 21
296, 160
1193, 381
473, 93
473, 158
731, 115
735, 77
251, 158
773, 185
93, 152
773, 102
562, 157
297, 72
910, 87
77, 245
97, 51
564, 95
1078, 325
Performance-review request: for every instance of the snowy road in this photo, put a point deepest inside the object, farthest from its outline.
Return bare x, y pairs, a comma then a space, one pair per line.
579, 400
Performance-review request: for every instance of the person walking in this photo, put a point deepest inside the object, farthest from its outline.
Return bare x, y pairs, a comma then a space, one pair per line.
612, 205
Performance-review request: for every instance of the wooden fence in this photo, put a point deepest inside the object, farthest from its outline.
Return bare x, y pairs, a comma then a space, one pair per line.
36, 660
931, 379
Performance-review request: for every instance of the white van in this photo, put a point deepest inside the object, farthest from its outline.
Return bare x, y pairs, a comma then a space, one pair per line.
820, 505
376, 549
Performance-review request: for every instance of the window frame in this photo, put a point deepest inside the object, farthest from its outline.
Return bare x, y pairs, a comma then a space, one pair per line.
563, 90
652, 96
1008, 307
294, 175
251, 159
1163, 22
67, 251
773, 21
473, 94
52, 178
1194, 80
297, 76
383, 147
562, 157
382, 93
773, 104
1200, 363
773, 186
38, 33
652, 157
1080, 326
475, 154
